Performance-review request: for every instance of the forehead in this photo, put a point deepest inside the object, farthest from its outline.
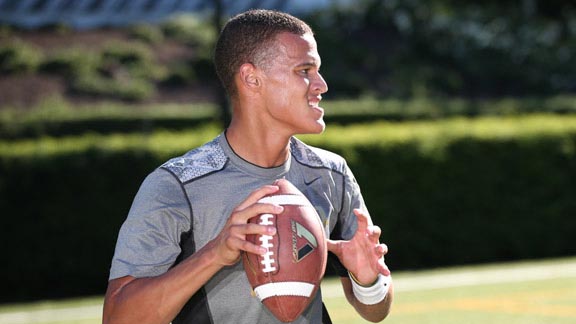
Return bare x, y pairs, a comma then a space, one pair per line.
297, 49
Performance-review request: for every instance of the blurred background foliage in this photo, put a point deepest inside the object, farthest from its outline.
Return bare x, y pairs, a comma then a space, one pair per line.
449, 48
381, 49
128, 67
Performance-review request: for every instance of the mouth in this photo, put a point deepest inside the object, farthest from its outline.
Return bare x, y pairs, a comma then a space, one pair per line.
314, 102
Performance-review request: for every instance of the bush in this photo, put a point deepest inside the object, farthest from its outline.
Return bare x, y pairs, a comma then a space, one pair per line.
191, 30
124, 71
147, 33
71, 63
134, 59
18, 57
180, 74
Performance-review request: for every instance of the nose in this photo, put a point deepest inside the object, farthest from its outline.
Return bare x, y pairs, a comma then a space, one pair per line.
320, 84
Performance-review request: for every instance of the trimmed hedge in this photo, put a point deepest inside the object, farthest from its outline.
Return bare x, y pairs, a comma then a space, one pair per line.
62, 202
467, 191
448, 192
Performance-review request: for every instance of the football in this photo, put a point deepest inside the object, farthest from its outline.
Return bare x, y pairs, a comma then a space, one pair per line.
286, 278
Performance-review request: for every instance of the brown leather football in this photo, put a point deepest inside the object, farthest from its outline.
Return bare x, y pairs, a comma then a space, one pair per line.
287, 277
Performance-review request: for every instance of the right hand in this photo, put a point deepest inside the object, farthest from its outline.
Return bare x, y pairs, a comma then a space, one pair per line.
232, 239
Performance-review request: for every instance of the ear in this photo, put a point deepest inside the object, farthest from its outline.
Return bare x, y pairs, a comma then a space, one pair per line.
249, 76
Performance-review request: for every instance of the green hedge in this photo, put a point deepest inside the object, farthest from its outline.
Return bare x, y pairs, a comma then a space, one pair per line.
62, 202
448, 192
463, 191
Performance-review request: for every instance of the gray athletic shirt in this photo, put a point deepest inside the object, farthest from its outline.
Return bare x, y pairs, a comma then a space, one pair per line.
185, 203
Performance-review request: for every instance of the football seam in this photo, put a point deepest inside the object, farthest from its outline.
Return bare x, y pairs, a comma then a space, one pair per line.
266, 241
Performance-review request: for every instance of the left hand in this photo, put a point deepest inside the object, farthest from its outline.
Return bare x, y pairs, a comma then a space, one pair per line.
363, 255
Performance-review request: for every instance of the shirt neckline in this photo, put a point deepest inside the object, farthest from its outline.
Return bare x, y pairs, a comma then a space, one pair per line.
250, 168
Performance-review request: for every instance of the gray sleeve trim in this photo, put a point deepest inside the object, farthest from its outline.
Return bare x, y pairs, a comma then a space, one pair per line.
351, 199
185, 196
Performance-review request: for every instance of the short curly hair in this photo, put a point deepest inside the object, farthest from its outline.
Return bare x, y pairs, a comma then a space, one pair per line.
246, 38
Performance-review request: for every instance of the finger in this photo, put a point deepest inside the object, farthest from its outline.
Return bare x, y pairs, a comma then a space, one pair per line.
381, 249
237, 238
383, 269
362, 221
242, 216
374, 231
251, 229
280, 182
243, 245
381, 266
257, 195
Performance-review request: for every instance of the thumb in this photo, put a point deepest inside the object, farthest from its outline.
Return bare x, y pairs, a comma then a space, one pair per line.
334, 246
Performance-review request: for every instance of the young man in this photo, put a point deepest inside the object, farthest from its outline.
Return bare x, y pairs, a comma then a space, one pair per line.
177, 256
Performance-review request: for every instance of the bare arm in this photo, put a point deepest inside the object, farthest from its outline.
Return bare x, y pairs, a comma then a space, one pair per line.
159, 299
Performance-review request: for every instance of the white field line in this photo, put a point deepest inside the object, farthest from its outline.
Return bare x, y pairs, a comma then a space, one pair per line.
404, 282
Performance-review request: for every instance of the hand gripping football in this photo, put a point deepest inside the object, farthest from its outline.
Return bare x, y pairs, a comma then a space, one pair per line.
285, 279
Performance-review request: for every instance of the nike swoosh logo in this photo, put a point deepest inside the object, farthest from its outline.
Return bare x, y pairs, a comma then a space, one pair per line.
309, 182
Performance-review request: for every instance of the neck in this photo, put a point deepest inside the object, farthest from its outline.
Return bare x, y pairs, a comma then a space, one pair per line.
258, 145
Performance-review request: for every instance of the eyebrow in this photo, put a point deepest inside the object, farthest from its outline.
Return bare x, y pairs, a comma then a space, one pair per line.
308, 65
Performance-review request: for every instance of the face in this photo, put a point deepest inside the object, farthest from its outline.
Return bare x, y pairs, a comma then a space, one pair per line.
293, 86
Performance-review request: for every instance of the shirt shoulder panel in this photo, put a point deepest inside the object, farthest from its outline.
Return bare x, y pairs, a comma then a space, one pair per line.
316, 157
198, 162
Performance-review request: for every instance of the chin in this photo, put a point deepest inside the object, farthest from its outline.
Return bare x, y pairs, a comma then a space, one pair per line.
322, 127
318, 128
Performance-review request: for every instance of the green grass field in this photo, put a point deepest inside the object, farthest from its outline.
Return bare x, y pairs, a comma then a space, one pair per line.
514, 293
